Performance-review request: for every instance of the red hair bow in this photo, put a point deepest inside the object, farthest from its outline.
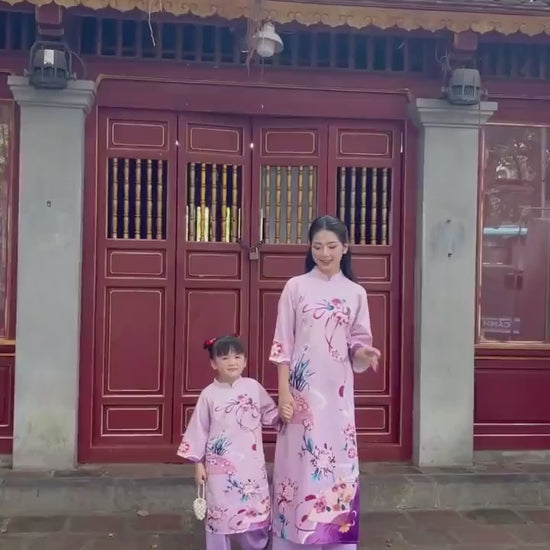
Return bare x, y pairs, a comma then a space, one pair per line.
209, 343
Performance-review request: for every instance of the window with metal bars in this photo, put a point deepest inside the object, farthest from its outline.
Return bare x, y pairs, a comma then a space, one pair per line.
137, 193
364, 203
17, 30
214, 202
519, 61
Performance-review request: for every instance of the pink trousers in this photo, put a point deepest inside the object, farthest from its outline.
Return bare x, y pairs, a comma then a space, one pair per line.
251, 540
281, 544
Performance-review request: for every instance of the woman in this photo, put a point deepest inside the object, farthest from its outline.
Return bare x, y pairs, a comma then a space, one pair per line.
322, 335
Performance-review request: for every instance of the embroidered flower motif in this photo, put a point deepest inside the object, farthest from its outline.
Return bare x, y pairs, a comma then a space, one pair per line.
300, 374
321, 505
184, 447
218, 445
287, 492
322, 458
349, 431
216, 513
249, 489
337, 314
276, 349
324, 461
351, 441
336, 355
246, 489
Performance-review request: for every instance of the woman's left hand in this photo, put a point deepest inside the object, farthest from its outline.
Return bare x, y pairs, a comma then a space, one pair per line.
366, 358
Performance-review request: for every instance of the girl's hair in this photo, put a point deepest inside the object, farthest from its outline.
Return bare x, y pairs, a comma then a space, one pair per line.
338, 227
224, 345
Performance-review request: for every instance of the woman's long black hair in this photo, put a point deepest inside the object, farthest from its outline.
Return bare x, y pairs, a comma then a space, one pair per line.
338, 227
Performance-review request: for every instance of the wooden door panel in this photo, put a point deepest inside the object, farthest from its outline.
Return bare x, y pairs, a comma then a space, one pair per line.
131, 398
210, 312
266, 372
136, 321
289, 190
378, 382
212, 255
364, 190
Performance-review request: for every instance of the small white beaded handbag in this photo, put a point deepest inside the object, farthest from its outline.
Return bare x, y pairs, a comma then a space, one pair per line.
199, 504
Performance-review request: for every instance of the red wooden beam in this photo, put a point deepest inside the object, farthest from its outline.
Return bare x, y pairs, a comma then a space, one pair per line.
49, 21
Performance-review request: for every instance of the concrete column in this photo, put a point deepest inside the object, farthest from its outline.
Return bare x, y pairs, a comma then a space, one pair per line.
446, 280
49, 272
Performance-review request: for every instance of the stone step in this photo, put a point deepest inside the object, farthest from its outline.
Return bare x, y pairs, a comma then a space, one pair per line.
164, 489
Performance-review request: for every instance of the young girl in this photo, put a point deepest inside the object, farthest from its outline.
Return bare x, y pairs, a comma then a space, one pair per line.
322, 336
224, 439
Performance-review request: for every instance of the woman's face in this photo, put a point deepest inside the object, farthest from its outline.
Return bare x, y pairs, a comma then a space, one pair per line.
327, 251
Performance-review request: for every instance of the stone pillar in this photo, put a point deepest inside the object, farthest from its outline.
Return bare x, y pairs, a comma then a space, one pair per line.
49, 272
445, 302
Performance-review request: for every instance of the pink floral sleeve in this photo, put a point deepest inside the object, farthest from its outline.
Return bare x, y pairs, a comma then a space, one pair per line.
195, 438
269, 411
283, 341
360, 330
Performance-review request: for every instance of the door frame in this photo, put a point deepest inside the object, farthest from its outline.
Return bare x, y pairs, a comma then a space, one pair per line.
267, 99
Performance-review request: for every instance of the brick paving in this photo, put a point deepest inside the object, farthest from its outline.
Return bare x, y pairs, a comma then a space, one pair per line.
500, 529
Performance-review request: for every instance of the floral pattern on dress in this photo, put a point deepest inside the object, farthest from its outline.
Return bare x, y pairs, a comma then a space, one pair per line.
276, 350
247, 413
300, 374
183, 447
246, 489
225, 431
322, 459
319, 321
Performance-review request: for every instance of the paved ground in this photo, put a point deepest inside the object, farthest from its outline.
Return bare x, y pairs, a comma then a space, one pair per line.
475, 530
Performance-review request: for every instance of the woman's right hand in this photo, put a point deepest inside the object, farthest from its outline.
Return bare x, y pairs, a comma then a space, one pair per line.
286, 406
200, 473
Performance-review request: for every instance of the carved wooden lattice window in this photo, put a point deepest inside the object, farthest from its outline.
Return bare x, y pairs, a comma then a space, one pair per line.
288, 203
217, 42
364, 203
214, 199
137, 199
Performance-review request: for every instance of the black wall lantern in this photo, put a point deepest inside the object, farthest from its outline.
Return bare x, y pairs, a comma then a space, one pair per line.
50, 65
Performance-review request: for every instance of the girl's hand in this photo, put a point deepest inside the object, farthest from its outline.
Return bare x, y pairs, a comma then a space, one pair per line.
287, 412
200, 473
366, 358
286, 406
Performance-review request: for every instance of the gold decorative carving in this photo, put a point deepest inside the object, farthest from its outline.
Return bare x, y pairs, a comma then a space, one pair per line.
309, 13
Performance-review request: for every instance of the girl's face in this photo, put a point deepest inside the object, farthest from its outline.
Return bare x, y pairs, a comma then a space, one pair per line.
229, 367
327, 251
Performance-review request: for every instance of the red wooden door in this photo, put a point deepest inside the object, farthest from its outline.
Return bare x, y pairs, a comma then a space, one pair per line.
202, 219
364, 167
213, 235
127, 406
302, 169
289, 190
